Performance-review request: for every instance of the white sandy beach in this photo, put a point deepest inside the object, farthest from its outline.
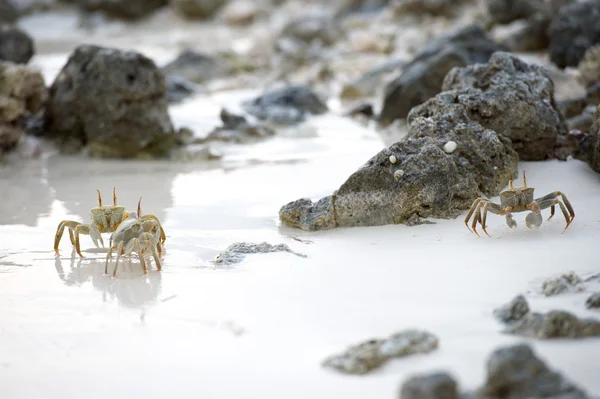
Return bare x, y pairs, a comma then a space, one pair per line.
261, 328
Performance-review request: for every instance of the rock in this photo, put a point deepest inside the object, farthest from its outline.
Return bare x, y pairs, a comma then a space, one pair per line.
8, 12
237, 129
446, 8
589, 66
367, 84
306, 215
507, 11
241, 12
196, 67
346, 7
286, 105
361, 109
572, 107
15, 45
311, 28
511, 97
513, 311
438, 385
590, 145
422, 78
515, 372
432, 183
566, 282
582, 122
113, 101
593, 302
22, 95
574, 29
235, 253
197, 9
369, 355
179, 88
554, 324
532, 36
123, 9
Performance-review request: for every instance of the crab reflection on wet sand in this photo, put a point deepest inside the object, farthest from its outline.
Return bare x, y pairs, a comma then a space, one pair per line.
135, 235
520, 200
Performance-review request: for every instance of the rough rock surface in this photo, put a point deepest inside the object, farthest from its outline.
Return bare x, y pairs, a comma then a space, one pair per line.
507, 11
369, 355
447, 8
196, 67
590, 145
593, 302
235, 253
113, 101
554, 324
286, 105
589, 66
564, 283
197, 9
125, 9
15, 45
513, 98
8, 12
574, 29
422, 78
237, 129
306, 215
512, 311
22, 95
438, 385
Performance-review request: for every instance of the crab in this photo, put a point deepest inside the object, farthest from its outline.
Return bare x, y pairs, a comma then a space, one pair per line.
151, 224
135, 235
520, 200
104, 219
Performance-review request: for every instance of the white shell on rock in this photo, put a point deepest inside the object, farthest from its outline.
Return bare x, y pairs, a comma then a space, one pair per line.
449, 147
398, 174
393, 159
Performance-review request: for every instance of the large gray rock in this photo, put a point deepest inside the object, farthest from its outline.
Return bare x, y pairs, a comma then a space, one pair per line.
8, 12
590, 146
125, 9
15, 45
422, 78
510, 97
113, 101
197, 9
574, 29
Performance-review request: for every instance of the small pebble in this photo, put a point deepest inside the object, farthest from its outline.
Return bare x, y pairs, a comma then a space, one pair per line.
398, 174
449, 147
393, 159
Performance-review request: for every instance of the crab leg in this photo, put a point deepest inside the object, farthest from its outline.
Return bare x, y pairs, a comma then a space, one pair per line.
72, 225
134, 246
471, 210
550, 200
153, 245
477, 218
119, 249
163, 237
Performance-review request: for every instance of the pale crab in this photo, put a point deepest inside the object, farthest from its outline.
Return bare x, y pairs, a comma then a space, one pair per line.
520, 200
104, 219
135, 235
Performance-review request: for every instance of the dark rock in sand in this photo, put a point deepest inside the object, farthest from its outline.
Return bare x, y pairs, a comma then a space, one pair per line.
306, 215
113, 101
370, 355
237, 129
237, 252
512, 311
8, 12
124, 9
422, 78
511, 97
179, 88
196, 67
312, 28
513, 372
593, 302
362, 110
568, 282
554, 324
507, 11
286, 105
197, 9
590, 145
15, 45
574, 29
589, 67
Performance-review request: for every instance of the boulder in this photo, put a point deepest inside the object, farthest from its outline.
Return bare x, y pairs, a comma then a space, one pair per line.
113, 101
197, 9
123, 9
8, 12
574, 29
422, 78
510, 97
15, 45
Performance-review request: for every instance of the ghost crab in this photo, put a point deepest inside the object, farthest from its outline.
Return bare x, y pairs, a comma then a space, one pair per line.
136, 234
104, 219
520, 200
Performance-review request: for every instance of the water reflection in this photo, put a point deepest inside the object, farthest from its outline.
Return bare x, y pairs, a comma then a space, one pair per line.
131, 288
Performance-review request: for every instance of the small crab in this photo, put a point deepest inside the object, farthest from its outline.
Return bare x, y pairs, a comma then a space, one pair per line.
520, 200
151, 224
131, 237
104, 219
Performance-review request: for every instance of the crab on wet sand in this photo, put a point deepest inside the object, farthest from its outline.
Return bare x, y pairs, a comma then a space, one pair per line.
520, 200
135, 235
104, 219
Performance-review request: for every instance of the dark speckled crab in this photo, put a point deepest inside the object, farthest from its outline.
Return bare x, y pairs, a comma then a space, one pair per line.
519, 200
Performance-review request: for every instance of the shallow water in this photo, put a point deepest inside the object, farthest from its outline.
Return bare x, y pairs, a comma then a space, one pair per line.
262, 327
